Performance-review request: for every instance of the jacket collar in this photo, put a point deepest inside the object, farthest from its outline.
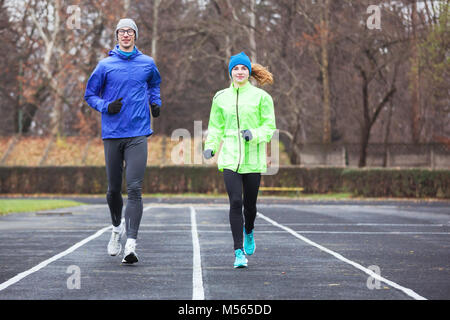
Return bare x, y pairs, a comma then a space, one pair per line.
247, 86
116, 52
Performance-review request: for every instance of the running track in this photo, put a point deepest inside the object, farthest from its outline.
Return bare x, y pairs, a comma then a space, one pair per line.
347, 250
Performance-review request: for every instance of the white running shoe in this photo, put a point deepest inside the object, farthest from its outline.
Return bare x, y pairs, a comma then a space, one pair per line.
114, 245
129, 253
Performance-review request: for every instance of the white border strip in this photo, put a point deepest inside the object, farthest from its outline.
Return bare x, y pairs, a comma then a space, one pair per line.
43, 264
197, 280
407, 291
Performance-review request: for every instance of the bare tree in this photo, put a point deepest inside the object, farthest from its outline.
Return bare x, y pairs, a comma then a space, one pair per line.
155, 34
10, 89
324, 28
415, 76
49, 34
375, 57
252, 31
335, 80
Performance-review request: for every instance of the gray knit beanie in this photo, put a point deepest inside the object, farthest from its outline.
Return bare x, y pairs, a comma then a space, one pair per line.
127, 23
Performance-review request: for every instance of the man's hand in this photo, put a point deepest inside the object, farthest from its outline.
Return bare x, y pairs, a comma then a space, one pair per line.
155, 110
115, 106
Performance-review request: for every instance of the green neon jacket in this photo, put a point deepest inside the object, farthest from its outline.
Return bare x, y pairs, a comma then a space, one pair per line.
232, 111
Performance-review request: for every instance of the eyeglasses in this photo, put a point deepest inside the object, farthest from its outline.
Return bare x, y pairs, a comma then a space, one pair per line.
130, 32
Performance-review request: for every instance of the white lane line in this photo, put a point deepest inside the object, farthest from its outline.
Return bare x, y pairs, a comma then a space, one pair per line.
197, 280
43, 264
302, 232
369, 232
365, 224
306, 231
147, 208
298, 224
407, 291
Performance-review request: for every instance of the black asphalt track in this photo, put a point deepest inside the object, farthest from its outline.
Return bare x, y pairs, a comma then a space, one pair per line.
305, 250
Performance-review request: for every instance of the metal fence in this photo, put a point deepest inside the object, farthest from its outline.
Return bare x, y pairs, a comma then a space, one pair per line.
435, 156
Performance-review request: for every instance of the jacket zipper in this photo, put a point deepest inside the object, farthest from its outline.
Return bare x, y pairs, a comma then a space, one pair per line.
239, 130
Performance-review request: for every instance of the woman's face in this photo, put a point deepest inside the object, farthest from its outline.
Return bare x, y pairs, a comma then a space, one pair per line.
240, 74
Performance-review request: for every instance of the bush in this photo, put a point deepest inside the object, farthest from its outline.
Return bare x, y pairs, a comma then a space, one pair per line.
409, 183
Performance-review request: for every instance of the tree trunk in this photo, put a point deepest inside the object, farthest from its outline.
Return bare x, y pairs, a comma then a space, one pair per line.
50, 43
365, 134
365, 127
126, 7
415, 87
324, 30
156, 4
251, 31
386, 135
368, 119
19, 121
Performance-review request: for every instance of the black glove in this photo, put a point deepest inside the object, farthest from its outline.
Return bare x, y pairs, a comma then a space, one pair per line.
208, 154
247, 135
155, 110
115, 106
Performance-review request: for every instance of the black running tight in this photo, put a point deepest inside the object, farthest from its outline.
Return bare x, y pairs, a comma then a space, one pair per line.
235, 183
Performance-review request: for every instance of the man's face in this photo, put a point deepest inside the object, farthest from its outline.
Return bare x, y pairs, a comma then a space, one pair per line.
126, 38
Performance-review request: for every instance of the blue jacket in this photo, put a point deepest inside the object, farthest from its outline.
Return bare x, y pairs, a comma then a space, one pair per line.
136, 79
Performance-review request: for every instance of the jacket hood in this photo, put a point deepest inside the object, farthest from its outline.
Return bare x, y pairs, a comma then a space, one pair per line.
116, 52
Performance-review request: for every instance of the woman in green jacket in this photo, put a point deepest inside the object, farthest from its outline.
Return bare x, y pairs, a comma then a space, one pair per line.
243, 119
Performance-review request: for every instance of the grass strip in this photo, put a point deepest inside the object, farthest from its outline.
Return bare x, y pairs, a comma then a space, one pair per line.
31, 205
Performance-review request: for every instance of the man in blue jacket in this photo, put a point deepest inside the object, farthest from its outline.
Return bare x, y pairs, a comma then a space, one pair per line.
123, 88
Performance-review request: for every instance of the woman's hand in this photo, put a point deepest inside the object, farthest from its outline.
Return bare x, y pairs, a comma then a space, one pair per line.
247, 135
208, 154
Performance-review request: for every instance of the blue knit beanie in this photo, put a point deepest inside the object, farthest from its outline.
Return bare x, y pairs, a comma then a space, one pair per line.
240, 58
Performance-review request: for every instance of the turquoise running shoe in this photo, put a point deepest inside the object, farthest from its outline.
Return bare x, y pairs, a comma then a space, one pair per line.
249, 243
241, 261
